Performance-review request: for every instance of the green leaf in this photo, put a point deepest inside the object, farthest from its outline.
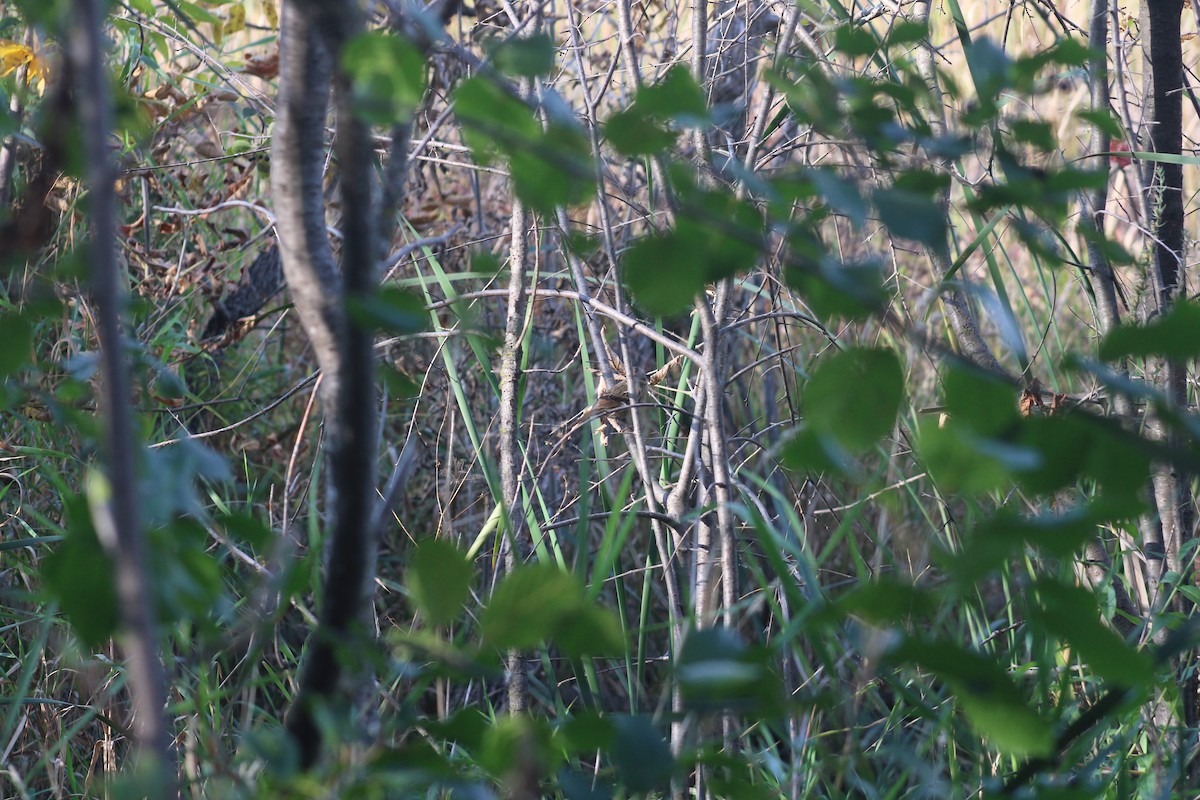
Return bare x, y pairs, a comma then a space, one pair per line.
986, 694
586, 731
580, 786
992, 543
855, 40
439, 578
512, 743
959, 461
640, 754
592, 631
810, 453
388, 77
717, 671
634, 133
651, 123
716, 235
834, 289
1174, 336
841, 194
80, 575
1104, 119
1071, 613
676, 96
1035, 132
494, 121
911, 215
391, 309
549, 168
990, 68
523, 57
904, 32
979, 399
245, 527
664, 273
16, 331
886, 601
854, 396
529, 606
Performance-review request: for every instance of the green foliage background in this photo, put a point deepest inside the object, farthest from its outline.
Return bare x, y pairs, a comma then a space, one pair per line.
928, 564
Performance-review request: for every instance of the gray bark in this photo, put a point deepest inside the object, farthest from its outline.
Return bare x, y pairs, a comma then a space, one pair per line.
312, 35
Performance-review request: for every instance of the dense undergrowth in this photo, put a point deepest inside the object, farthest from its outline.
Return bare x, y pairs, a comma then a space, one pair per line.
850, 457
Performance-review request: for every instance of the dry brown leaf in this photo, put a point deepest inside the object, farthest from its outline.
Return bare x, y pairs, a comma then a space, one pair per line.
264, 66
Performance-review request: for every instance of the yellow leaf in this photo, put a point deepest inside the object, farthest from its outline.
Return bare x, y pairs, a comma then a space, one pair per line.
237, 19
272, 13
12, 56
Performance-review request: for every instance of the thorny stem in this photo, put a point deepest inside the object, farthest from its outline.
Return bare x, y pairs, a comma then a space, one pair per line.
510, 377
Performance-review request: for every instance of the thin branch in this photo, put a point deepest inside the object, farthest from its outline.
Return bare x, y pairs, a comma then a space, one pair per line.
117, 520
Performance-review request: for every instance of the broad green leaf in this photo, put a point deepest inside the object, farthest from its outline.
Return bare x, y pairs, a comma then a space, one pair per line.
529, 605
439, 578
79, 574
855, 40
1174, 336
841, 194
586, 731
717, 671
579, 786
664, 273
591, 631
837, 290
556, 171
986, 694
959, 460
642, 757
1035, 132
511, 743
676, 96
990, 68
811, 453
168, 488
1071, 613
651, 124
188, 579
390, 309
417, 760
633, 133
979, 399
388, 77
244, 527
1104, 119
911, 215
549, 168
904, 32
16, 331
716, 235
886, 600
495, 122
523, 57
992, 543
854, 395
